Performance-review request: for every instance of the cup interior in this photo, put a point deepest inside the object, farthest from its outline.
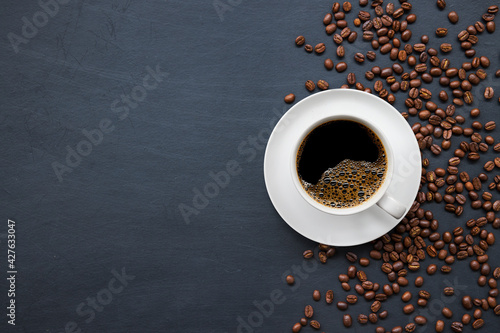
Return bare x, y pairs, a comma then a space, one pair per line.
349, 210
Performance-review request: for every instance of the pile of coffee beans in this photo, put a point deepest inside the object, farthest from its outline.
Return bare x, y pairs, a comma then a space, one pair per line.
403, 252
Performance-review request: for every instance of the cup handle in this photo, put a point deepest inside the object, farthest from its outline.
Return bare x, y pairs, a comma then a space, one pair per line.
391, 206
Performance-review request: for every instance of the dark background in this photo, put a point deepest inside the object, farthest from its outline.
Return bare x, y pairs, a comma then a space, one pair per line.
119, 208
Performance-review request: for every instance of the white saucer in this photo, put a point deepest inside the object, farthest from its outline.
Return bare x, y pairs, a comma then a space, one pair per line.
318, 225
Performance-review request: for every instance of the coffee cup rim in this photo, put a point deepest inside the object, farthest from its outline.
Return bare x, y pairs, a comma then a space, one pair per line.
351, 210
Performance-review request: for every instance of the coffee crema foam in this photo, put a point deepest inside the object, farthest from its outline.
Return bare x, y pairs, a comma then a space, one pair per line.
350, 182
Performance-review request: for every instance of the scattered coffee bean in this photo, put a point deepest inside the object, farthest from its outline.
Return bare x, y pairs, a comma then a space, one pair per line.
347, 320
457, 327
310, 85
290, 98
407, 309
322, 85
420, 320
290, 279
341, 67
489, 93
308, 311
342, 305
329, 64
329, 297
406, 297
453, 17
449, 291
315, 324
478, 323
363, 319
316, 295
352, 257
320, 48
364, 262
300, 40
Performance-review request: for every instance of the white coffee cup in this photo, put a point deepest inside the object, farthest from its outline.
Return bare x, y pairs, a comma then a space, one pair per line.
381, 198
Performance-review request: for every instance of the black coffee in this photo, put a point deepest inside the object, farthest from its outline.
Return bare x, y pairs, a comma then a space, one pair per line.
341, 163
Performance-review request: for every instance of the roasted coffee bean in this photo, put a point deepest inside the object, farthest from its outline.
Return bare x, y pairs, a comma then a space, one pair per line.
315, 324
410, 327
310, 85
341, 67
299, 41
439, 326
422, 302
407, 309
362, 319
316, 295
351, 78
359, 57
352, 257
290, 279
351, 299
478, 323
364, 261
308, 48
308, 253
490, 126
342, 305
445, 269
489, 93
308, 311
296, 328
347, 320
419, 281
328, 64
467, 302
361, 276
441, 4
329, 297
290, 98
322, 85
420, 320
449, 291
493, 9
320, 48
367, 285
352, 37
375, 307
337, 38
496, 273
327, 19
331, 28
457, 327
441, 32
488, 17
406, 297
447, 312
345, 32
463, 35
383, 314
490, 165
453, 17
